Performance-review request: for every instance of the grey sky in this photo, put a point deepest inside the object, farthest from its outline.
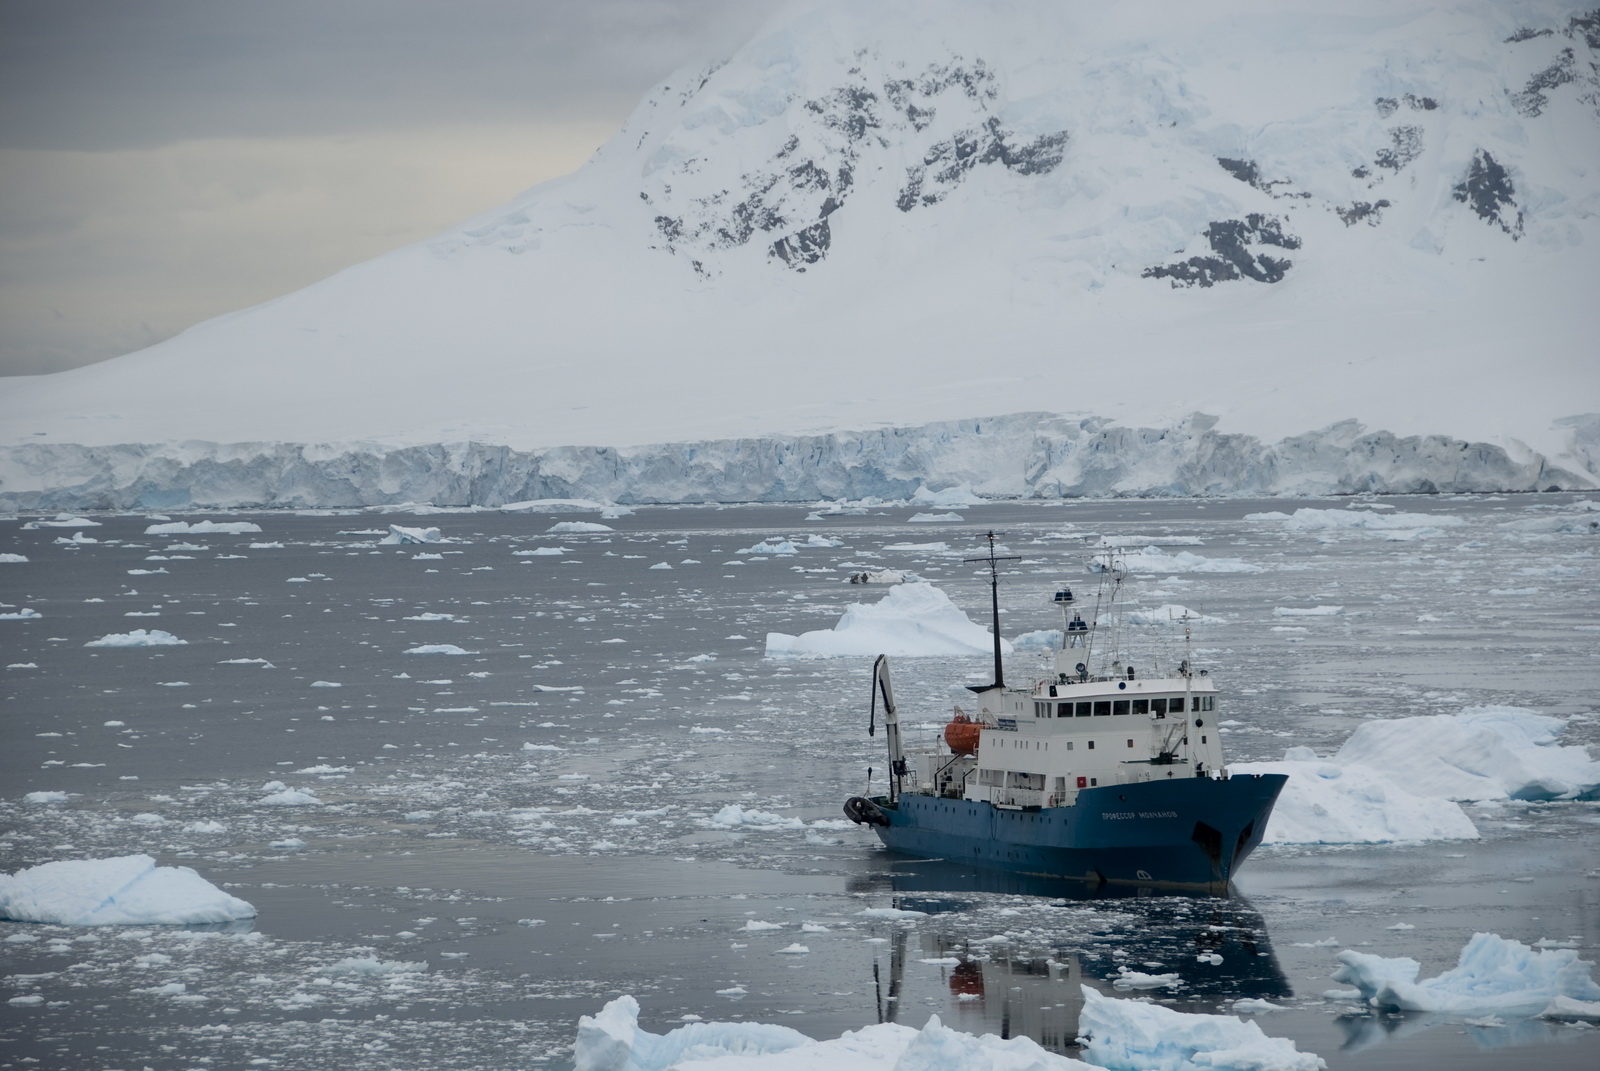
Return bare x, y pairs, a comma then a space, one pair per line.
165, 161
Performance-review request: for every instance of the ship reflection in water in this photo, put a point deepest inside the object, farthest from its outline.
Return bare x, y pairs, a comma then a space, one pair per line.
1006, 953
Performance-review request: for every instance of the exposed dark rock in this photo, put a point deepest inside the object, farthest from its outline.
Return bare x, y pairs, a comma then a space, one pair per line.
1488, 190
671, 229
1406, 146
1361, 210
1360, 172
1531, 101
1587, 26
1245, 171
1230, 241
1248, 172
1420, 104
804, 247
1387, 106
950, 161
1527, 34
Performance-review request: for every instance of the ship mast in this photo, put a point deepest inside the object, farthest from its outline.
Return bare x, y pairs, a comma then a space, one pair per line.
994, 607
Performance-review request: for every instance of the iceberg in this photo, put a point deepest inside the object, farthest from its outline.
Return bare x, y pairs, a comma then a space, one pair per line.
1401, 780
578, 528
138, 638
913, 620
1492, 976
1132, 1034
399, 535
126, 891
1483, 753
203, 528
613, 1041
1155, 560
1332, 802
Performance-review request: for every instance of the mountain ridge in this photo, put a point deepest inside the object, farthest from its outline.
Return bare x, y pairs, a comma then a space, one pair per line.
894, 215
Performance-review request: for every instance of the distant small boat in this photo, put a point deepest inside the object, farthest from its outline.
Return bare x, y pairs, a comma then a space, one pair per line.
1098, 775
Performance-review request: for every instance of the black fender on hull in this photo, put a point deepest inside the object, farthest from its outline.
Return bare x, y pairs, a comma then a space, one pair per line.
863, 811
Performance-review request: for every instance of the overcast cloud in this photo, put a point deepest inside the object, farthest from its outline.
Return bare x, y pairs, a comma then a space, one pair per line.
165, 161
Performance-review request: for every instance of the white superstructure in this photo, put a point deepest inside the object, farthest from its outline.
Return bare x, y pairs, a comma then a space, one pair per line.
1038, 745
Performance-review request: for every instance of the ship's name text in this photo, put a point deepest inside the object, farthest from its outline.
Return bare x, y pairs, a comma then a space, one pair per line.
1113, 815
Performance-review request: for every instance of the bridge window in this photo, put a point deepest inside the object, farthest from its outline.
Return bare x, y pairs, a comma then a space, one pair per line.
1141, 706
1119, 706
1158, 707
1208, 702
1065, 711
1082, 710
1102, 708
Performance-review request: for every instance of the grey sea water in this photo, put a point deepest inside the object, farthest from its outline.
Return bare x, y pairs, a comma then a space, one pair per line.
508, 837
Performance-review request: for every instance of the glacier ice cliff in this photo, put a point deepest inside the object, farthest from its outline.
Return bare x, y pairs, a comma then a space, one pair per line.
1022, 455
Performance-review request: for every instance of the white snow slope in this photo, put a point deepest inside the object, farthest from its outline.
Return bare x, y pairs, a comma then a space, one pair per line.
1362, 240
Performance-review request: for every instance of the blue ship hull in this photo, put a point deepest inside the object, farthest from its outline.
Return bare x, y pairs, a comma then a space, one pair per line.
1191, 833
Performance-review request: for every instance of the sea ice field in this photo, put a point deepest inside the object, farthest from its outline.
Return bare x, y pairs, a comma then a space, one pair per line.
449, 783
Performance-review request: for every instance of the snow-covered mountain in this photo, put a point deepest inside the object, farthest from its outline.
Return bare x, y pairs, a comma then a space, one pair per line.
1041, 247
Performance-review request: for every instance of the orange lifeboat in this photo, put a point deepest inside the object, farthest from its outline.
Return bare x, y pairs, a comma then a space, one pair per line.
962, 735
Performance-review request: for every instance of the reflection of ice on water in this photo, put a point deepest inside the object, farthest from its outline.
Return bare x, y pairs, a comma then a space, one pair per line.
1011, 951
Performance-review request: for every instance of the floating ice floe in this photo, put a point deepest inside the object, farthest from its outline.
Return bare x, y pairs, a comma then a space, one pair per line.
77, 539
137, 638
933, 518
438, 649
541, 552
1492, 976
912, 620
959, 495
45, 797
1483, 753
13, 559
884, 576
734, 816
1399, 780
126, 891
371, 966
1169, 614
1568, 1010
1133, 1034
1332, 801
553, 505
62, 520
399, 535
1155, 560
578, 527
774, 546
204, 528
1307, 611
280, 795
613, 1041
1386, 525
24, 614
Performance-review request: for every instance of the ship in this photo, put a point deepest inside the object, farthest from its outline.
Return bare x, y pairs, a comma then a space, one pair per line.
1093, 773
